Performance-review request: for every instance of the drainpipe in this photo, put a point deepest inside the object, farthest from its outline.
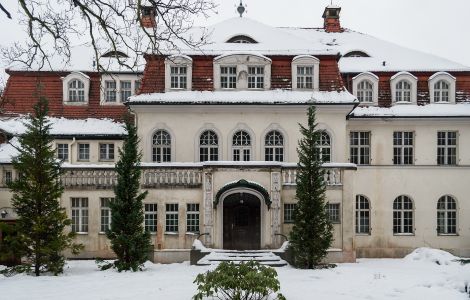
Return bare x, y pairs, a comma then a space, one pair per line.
70, 149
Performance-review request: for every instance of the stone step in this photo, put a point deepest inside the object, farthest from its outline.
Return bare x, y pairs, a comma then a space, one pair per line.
263, 257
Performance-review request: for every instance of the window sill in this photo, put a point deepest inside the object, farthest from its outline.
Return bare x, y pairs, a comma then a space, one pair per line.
106, 160
192, 233
81, 233
83, 160
368, 103
171, 233
404, 102
447, 234
117, 103
403, 234
75, 103
443, 102
363, 234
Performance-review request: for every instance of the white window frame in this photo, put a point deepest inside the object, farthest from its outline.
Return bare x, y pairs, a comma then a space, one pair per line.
363, 212
193, 217
447, 78
446, 147
324, 144
78, 152
209, 147
334, 212
371, 78
399, 214
159, 149
179, 61
105, 214
445, 214
85, 79
80, 213
360, 146
151, 215
306, 61
107, 147
411, 79
275, 147
257, 77
400, 147
171, 215
58, 145
117, 78
242, 148
288, 212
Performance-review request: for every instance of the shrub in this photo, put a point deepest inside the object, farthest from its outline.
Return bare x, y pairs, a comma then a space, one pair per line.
231, 281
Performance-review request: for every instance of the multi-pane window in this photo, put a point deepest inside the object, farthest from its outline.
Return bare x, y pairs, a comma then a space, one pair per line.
403, 91
403, 148
192, 217
208, 146
441, 91
365, 91
324, 147
63, 151
126, 89
362, 215
110, 91
446, 215
241, 146
76, 91
84, 152
334, 213
403, 215
255, 77
150, 217
161, 148
305, 77
274, 146
446, 147
228, 77
105, 214
106, 151
7, 177
360, 147
80, 214
137, 84
179, 77
289, 209
171, 222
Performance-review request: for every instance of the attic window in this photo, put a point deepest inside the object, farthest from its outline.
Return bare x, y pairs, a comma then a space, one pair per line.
118, 54
242, 39
356, 54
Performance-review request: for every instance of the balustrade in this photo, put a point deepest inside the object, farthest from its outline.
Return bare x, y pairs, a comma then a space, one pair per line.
332, 176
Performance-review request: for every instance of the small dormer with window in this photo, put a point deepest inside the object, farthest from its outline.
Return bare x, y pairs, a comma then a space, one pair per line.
305, 73
116, 88
76, 88
442, 88
178, 73
404, 88
242, 72
366, 88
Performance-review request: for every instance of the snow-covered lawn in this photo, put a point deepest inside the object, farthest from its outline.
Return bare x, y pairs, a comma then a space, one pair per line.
415, 277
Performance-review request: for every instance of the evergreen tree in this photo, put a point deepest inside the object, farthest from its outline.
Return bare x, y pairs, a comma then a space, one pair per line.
41, 237
311, 235
129, 240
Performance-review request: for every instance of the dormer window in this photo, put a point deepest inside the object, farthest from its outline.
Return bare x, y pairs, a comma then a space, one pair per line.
366, 88
305, 77
179, 77
442, 88
305, 73
255, 77
356, 54
110, 91
228, 77
76, 91
404, 88
403, 91
117, 88
178, 73
242, 39
441, 91
75, 88
365, 91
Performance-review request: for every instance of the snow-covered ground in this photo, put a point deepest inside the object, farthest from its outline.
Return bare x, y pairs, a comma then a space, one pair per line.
417, 276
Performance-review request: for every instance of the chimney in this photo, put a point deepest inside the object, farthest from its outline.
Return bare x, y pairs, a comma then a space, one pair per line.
148, 17
331, 19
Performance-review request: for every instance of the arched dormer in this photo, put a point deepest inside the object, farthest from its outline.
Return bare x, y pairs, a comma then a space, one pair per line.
242, 72
242, 39
366, 88
404, 86
442, 88
305, 73
356, 53
178, 73
76, 88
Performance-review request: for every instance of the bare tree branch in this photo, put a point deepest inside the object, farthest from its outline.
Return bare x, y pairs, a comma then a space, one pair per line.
5, 11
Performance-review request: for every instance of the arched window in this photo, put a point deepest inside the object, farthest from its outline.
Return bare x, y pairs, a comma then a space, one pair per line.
241, 146
76, 91
324, 145
403, 215
365, 91
161, 147
446, 215
208, 146
242, 39
403, 91
362, 215
356, 54
441, 91
274, 146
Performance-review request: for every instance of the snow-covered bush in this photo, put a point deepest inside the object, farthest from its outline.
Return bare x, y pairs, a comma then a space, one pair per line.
436, 256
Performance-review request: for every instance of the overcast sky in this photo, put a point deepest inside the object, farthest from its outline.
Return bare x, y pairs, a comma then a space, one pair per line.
440, 27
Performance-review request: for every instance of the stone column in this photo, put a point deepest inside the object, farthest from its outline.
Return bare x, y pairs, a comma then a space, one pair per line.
208, 209
275, 207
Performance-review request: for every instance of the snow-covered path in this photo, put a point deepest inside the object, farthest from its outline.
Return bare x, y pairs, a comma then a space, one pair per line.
367, 279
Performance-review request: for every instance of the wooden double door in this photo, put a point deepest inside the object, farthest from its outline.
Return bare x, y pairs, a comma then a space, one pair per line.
242, 222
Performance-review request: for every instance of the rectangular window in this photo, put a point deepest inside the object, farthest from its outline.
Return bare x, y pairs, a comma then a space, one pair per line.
255, 77
228, 77
63, 151
126, 90
209, 154
403, 148
289, 209
80, 215
192, 217
305, 77
106, 151
105, 214
360, 147
136, 86
447, 147
110, 90
7, 177
178, 77
150, 217
334, 212
84, 152
171, 224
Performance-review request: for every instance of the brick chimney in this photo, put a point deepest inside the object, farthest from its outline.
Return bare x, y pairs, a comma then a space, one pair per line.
331, 19
148, 17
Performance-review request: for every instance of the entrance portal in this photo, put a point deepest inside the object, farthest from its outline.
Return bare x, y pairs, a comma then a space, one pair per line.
242, 222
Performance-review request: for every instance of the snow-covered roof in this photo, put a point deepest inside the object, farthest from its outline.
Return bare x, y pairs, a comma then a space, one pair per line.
244, 97
8, 150
68, 127
413, 111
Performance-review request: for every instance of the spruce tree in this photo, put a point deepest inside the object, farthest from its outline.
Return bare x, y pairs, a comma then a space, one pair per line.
311, 235
42, 222
129, 241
